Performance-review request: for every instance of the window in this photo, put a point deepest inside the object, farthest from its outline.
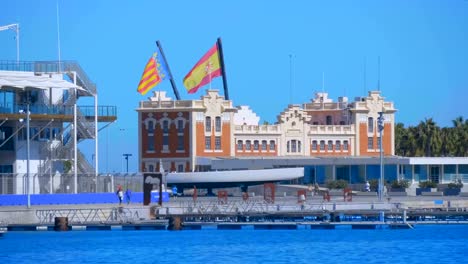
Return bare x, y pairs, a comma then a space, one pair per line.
345, 145
378, 142
217, 143
370, 125
208, 124
247, 145
330, 145
256, 146
272, 145
287, 147
338, 145
151, 168
264, 145
180, 168
342, 123
150, 146
370, 143
180, 126
165, 141
165, 126
293, 146
314, 145
180, 143
329, 120
150, 127
298, 146
322, 144
207, 142
239, 144
218, 124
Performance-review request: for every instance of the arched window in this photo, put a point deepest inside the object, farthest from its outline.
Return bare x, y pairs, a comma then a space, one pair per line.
329, 120
208, 124
239, 144
370, 125
150, 127
314, 145
272, 145
330, 145
338, 145
218, 124
322, 144
248, 145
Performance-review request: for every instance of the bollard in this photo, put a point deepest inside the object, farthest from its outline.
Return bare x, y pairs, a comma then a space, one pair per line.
175, 223
61, 224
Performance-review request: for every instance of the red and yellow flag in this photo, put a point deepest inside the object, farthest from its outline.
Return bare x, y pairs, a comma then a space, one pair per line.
207, 68
155, 72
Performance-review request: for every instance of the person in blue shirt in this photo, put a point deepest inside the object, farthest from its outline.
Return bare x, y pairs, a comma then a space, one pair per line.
128, 195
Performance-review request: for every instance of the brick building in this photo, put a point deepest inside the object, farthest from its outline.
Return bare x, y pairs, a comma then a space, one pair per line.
186, 134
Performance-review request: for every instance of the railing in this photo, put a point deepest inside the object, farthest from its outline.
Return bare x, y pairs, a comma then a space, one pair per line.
338, 129
36, 109
13, 183
103, 111
88, 111
260, 129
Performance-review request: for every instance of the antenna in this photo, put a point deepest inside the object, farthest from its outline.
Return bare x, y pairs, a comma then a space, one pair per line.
291, 78
323, 82
378, 72
58, 37
365, 76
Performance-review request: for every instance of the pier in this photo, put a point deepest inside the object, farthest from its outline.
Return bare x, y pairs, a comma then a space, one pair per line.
237, 214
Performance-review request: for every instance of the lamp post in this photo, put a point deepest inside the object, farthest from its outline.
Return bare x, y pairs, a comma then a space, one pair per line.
380, 121
27, 155
126, 155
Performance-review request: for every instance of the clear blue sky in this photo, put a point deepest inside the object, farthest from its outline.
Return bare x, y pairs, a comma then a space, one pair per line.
423, 46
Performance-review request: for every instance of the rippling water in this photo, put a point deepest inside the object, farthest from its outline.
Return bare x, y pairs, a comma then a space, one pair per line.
424, 244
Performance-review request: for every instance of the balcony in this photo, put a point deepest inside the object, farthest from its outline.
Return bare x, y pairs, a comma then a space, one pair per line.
57, 112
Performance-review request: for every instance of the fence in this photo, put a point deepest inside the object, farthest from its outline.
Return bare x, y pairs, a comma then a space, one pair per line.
16, 183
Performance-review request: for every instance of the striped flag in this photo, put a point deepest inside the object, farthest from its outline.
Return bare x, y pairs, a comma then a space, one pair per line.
207, 68
154, 73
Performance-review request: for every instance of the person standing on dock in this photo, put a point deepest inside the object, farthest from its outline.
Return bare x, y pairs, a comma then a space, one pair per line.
367, 186
120, 194
128, 195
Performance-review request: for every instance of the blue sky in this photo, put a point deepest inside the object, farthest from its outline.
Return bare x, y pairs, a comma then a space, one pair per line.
423, 48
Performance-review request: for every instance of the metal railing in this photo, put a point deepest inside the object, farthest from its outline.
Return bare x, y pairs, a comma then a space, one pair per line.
46, 183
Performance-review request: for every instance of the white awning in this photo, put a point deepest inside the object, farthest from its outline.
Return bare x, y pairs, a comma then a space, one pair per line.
22, 80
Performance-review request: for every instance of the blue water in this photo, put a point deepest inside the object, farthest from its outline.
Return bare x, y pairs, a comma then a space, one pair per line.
424, 244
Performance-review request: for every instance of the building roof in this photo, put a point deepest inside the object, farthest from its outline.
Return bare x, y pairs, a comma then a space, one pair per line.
23, 80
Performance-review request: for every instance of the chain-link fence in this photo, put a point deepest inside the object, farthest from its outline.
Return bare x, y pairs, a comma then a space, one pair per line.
16, 183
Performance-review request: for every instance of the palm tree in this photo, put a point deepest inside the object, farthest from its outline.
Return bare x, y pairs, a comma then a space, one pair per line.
460, 133
429, 137
401, 136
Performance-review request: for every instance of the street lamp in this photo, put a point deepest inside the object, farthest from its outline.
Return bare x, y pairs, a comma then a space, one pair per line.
126, 155
380, 121
28, 153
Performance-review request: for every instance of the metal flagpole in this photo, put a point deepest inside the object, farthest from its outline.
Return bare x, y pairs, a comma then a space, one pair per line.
176, 92
223, 70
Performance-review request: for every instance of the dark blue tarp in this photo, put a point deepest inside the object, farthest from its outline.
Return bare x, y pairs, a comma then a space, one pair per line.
81, 198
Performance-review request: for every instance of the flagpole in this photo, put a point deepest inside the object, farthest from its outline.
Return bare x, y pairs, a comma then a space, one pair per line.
176, 92
223, 71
